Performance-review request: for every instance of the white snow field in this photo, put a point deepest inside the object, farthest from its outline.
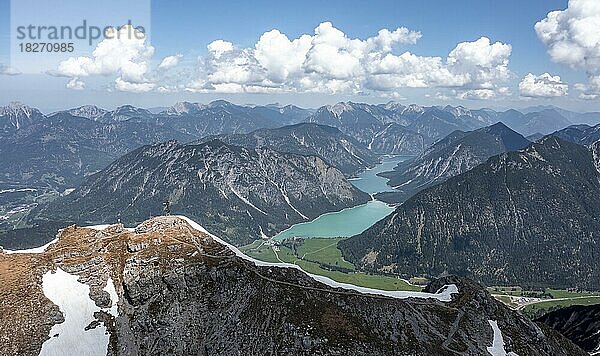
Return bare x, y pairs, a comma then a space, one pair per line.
72, 297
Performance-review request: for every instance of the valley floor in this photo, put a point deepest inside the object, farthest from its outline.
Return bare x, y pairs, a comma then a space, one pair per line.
322, 257
536, 303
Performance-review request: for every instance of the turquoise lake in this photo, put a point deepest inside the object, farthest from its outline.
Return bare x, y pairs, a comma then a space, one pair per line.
350, 221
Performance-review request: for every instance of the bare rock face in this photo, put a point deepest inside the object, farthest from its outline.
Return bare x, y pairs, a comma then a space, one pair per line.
329, 143
595, 148
579, 323
182, 292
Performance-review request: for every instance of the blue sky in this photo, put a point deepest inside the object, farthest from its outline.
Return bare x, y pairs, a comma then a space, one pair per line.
187, 27
177, 25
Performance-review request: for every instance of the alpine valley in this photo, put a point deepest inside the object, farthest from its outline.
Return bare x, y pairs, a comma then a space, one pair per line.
170, 231
300, 178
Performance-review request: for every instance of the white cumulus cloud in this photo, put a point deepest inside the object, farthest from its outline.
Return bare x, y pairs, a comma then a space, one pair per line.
482, 62
123, 85
332, 62
170, 62
325, 61
328, 61
572, 37
281, 57
542, 86
477, 94
124, 53
75, 84
591, 89
7, 70
219, 47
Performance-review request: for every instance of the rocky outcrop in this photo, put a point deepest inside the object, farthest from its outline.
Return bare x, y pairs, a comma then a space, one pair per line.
579, 323
181, 292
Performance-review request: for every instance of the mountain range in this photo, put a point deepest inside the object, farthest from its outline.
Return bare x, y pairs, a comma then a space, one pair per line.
242, 194
45, 156
477, 200
221, 117
539, 122
529, 217
62, 148
454, 154
588, 118
79, 141
59, 151
582, 134
338, 149
371, 125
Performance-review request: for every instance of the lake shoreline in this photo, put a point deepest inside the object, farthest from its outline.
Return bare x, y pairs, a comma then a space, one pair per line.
353, 220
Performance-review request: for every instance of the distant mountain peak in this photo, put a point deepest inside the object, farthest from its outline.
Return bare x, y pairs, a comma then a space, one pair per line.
338, 109
91, 112
414, 108
458, 110
184, 107
499, 129
19, 115
289, 107
125, 112
17, 108
220, 104
498, 125
394, 105
128, 108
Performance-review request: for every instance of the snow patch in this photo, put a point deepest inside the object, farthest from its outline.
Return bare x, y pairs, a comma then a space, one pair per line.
114, 298
40, 249
497, 348
262, 233
287, 200
104, 226
78, 309
246, 201
14, 190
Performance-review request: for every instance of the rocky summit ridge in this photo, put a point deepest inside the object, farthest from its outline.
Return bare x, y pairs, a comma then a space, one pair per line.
169, 287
